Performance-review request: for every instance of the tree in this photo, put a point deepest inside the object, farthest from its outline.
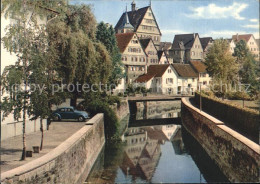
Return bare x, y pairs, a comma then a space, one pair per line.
106, 35
81, 59
21, 39
247, 65
220, 63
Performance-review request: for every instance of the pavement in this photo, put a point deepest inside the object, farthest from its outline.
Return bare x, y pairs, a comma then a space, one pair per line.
11, 148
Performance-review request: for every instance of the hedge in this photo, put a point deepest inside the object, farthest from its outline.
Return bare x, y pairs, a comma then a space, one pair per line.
243, 120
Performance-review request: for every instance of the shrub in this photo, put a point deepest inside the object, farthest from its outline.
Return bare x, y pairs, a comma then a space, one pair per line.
113, 99
111, 121
120, 94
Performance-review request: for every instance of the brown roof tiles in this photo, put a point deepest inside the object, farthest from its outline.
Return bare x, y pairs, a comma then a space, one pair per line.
123, 40
184, 70
245, 37
199, 66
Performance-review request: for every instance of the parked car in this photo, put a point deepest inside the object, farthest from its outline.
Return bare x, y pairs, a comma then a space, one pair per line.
69, 113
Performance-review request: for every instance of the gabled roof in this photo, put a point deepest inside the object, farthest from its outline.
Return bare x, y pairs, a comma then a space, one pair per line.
135, 18
153, 71
205, 41
184, 70
238, 37
165, 45
145, 42
187, 39
160, 54
157, 70
199, 66
123, 40
144, 78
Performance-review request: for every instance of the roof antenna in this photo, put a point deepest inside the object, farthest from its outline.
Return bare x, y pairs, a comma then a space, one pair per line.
150, 3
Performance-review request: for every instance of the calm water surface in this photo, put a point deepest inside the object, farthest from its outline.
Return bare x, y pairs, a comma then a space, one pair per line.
155, 154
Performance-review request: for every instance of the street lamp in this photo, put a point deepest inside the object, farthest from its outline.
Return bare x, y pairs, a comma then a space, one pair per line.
200, 96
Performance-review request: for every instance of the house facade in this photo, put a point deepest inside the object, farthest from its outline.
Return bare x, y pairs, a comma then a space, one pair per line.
206, 43
162, 57
150, 50
204, 80
169, 79
186, 47
133, 57
232, 46
142, 22
250, 41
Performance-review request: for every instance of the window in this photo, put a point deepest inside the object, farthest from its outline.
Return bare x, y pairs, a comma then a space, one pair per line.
193, 80
193, 53
169, 80
169, 71
136, 59
149, 14
204, 82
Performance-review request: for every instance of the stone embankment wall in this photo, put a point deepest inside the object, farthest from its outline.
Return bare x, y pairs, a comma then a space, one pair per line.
237, 156
68, 163
121, 110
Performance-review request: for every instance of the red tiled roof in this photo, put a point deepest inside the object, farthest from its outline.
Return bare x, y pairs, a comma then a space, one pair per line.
157, 70
199, 66
123, 39
245, 37
144, 78
184, 70
153, 71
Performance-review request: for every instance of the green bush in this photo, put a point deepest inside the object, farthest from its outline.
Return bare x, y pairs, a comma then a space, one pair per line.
120, 94
111, 121
113, 99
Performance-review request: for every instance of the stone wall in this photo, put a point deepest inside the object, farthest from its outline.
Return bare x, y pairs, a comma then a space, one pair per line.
237, 156
68, 163
122, 110
16, 128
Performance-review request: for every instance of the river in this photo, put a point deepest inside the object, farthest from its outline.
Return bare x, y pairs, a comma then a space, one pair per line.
162, 153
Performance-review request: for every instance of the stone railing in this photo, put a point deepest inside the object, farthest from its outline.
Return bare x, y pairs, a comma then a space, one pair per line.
68, 163
237, 156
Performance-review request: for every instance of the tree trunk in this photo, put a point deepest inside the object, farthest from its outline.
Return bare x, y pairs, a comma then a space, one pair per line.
24, 123
73, 100
42, 133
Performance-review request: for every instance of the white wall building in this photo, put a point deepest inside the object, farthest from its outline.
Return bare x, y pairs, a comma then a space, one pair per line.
169, 79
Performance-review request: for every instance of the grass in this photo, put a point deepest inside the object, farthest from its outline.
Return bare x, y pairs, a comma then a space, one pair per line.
249, 104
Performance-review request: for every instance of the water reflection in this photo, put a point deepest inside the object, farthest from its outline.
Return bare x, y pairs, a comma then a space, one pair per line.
157, 110
155, 154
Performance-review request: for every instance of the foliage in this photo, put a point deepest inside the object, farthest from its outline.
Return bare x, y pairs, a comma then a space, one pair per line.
220, 63
94, 103
81, 59
243, 120
248, 67
106, 35
113, 99
239, 95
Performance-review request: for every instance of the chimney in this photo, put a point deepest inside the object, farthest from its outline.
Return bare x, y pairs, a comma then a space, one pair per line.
133, 5
237, 36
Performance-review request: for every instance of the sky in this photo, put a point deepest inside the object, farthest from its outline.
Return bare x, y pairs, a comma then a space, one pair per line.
222, 18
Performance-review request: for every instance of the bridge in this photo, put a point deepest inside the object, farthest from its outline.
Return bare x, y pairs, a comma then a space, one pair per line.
153, 122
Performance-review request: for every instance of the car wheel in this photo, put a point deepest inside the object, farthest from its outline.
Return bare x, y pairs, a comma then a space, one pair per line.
56, 118
81, 118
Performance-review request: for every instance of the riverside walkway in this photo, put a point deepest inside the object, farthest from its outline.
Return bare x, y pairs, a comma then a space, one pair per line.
11, 148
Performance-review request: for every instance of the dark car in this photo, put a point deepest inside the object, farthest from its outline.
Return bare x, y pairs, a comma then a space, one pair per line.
69, 113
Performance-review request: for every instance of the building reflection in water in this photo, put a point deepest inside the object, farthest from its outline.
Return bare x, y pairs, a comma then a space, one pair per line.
155, 110
143, 151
